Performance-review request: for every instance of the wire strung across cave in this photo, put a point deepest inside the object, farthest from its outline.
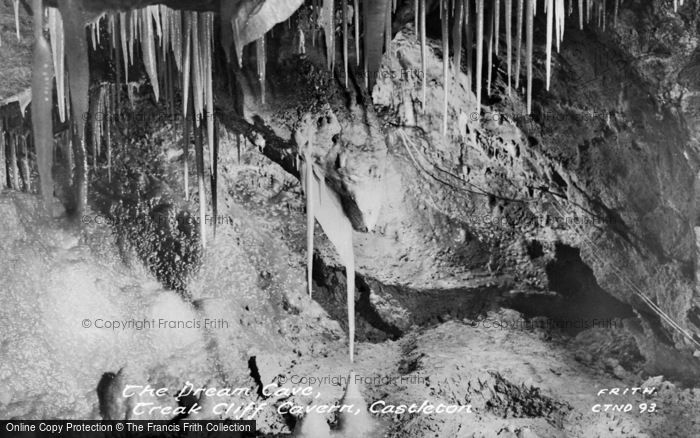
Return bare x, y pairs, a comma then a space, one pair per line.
476, 190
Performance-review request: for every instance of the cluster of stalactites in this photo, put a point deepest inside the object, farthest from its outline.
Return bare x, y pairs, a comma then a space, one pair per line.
474, 24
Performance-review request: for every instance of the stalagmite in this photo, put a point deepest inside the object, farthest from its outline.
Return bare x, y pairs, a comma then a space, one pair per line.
518, 42
549, 15
261, 59
199, 156
358, 423
312, 425
444, 5
479, 47
78, 81
15, 5
328, 23
528, 48
148, 49
58, 53
423, 53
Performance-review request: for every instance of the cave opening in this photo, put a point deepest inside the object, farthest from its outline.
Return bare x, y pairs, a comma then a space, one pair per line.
579, 302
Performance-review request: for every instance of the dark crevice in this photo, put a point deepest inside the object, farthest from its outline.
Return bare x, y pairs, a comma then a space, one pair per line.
255, 374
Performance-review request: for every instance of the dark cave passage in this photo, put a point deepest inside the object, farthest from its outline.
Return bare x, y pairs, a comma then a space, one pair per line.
579, 303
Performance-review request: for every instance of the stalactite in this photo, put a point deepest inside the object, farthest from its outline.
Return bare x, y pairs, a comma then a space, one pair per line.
387, 29
94, 128
78, 81
496, 25
199, 156
328, 23
14, 180
416, 16
261, 59
580, 14
186, 62
215, 175
15, 5
26, 173
112, 29
489, 52
207, 24
423, 53
529, 15
509, 42
374, 25
58, 55
457, 36
479, 47
560, 17
617, 7
444, 5
123, 36
328, 210
197, 79
108, 130
164, 12
518, 41
468, 30
345, 42
93, 35
308, 181
186, 150
356, 16
549, 15
176, 37
226, 12
154, 12
4, 176
148, 49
